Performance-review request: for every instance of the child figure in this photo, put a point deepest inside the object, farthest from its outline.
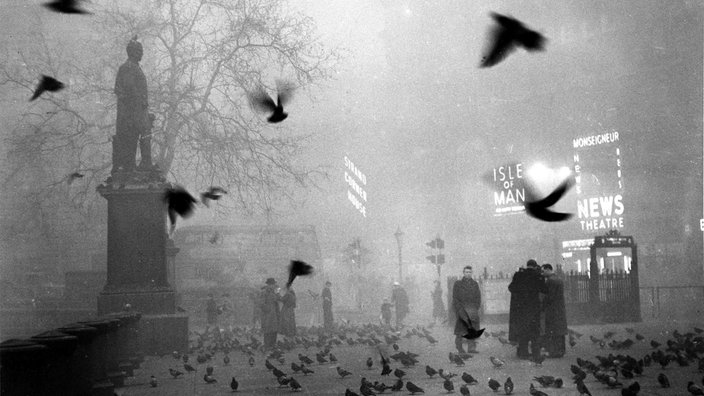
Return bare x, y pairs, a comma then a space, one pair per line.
386, 312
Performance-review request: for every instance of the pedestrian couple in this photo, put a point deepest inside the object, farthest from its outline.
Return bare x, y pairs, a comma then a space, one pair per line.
277, 312
528, 288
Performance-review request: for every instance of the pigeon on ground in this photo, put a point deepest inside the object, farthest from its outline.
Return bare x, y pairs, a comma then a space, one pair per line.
413, 388
153, 382
494, 384
175, 373
342, 372
449, 386
508, 386
234, 384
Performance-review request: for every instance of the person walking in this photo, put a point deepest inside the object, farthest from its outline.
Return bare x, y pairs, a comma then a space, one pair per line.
438, 305
288, 316
466, 301
524, 312
211, 310
386, 312
270, 313
555, 315
327, 306
399, 298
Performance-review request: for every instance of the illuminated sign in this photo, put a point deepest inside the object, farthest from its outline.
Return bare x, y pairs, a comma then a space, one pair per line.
509, 189
356, 180
599, 182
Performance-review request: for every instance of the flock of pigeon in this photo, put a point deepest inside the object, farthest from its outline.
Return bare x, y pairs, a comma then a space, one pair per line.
613, 370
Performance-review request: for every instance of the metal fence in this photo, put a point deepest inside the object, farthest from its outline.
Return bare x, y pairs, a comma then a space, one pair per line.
672, 302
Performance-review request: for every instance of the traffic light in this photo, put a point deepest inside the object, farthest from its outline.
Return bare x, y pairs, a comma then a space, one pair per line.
437, 258
440, 243
436, 243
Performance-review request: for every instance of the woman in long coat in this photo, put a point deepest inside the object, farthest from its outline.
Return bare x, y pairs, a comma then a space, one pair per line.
287, 318
555, 315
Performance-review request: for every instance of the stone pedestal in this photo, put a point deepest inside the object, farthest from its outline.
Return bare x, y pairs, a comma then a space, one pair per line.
137, 266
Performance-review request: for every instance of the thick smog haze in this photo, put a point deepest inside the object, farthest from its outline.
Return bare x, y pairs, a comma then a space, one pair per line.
241, 181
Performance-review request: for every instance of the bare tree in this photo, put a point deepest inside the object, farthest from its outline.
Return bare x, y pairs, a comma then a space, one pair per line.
201, 60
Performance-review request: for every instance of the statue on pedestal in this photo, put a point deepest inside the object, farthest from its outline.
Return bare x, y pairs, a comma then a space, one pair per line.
134, 123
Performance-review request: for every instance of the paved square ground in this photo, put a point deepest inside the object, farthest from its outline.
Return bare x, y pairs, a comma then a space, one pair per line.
257, 380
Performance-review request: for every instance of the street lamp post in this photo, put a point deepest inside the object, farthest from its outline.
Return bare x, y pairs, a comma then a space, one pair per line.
399, 240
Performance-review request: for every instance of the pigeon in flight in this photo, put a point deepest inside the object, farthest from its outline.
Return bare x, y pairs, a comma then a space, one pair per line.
214, 193
65, 7
539, 208
179, 202
297, 268
47, 84
506, 36
263, 102
73, 176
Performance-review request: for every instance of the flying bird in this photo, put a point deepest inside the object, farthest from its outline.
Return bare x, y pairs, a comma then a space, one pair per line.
298, 268
261, 101
65, 7
214, 193
179, 203
508, 34
539, 208
47, 84
73, 176
471, 333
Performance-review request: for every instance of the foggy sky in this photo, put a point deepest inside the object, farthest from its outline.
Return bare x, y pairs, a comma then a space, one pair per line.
411, 108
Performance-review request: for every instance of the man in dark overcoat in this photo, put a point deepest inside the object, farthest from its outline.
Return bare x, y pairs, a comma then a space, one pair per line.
555, 315
270, 313
466, 301
524, 314
399, 298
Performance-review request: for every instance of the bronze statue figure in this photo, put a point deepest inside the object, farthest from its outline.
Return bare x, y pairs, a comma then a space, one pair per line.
134, 122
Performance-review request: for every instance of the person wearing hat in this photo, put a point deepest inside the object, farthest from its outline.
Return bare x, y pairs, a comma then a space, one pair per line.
270, 313
399, 298
133, 122
327, 306
524, 312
